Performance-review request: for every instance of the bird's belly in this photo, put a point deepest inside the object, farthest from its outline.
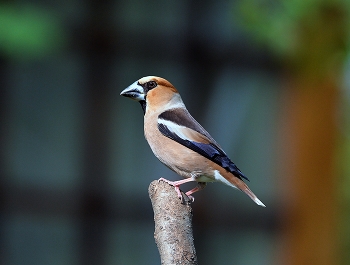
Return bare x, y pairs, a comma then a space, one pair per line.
185, 162
205, 178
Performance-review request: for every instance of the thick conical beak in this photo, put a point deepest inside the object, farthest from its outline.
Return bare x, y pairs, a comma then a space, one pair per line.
134, 91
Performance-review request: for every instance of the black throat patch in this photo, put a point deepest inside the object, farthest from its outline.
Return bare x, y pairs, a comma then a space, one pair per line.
143, 105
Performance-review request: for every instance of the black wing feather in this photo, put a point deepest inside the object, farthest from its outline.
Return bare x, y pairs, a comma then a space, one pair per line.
209, 151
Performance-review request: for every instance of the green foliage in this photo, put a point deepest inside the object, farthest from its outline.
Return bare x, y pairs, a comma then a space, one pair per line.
28, 32
279, 23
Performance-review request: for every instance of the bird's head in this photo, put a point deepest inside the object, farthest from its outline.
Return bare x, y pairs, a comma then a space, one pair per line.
150, 91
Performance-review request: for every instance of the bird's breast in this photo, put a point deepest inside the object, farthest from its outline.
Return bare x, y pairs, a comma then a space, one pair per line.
177, 157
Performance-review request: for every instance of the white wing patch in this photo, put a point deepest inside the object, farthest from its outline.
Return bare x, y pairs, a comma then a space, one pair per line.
175, 128
184, 132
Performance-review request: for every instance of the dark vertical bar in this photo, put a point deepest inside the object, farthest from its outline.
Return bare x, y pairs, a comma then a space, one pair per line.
97, 43
3, 96
202, 60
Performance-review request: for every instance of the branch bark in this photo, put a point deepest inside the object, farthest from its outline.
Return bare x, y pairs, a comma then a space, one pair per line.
173, 225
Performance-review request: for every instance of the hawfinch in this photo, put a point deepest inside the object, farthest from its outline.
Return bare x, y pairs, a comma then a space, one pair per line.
179, 141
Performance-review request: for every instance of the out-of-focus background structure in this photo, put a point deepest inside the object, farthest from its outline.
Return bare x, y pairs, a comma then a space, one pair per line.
270, 80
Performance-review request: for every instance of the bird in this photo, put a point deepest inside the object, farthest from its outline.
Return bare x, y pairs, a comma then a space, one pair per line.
180, 142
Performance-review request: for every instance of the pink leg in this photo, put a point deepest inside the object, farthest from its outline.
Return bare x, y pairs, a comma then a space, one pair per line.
201, 185
176, 184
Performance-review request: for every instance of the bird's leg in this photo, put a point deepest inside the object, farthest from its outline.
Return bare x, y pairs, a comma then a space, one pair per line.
177, 184
200, 186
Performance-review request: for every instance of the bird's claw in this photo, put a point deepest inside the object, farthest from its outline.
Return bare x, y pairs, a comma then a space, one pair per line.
190, 197
178, 191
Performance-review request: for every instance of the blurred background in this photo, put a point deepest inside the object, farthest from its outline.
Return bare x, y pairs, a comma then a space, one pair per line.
270, 80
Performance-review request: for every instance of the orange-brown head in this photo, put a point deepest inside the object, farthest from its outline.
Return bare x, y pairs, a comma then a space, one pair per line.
151, 92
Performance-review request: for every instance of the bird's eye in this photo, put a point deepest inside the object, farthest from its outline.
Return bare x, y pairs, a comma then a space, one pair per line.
151, 84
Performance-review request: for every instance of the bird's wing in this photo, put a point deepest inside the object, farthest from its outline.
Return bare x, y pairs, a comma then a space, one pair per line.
178, 125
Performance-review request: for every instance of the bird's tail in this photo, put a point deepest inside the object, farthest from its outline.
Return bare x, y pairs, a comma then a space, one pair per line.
239, 184
247, 191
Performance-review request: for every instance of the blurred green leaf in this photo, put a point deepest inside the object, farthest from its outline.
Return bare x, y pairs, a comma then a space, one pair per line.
279, 24
28, 31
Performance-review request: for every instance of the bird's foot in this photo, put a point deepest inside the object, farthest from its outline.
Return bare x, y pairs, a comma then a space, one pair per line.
176, 186
173, 183
190, 197
201, 185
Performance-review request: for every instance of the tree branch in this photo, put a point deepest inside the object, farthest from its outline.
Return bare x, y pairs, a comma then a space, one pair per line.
173, 225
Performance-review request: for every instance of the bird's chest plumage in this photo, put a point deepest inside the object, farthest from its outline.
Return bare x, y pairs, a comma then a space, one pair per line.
182, 160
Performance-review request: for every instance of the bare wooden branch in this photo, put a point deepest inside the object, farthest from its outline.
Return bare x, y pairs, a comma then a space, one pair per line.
173, 225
